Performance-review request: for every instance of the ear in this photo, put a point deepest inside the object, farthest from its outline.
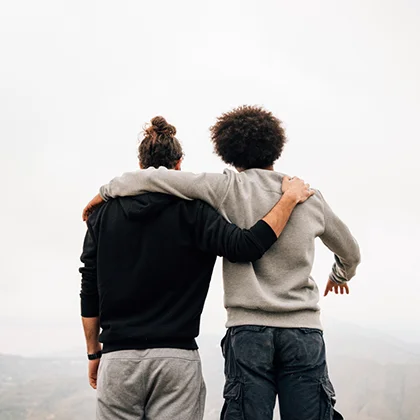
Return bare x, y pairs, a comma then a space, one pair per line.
178, 165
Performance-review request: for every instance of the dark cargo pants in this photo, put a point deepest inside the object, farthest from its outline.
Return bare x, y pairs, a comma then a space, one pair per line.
264, 362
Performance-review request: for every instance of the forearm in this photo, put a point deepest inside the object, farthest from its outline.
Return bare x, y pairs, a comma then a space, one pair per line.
279, 215
255, 242
248, 245
205, 186
89, 297
216, 235
91, 330
343, 270
338, 238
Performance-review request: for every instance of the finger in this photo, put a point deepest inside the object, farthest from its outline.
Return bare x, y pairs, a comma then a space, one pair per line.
336, 289
342, 290
309, 193
93, 377
327, 289
347, 289
285, 183
86, 212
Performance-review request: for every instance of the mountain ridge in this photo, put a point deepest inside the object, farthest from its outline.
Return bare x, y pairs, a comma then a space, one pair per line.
376, 377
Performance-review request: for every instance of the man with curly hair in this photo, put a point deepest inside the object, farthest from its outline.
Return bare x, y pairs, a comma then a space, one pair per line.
274, 343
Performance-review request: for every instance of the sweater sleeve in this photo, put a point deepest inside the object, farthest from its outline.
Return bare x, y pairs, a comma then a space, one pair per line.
89, 297
209, 187
216, 235
340, 241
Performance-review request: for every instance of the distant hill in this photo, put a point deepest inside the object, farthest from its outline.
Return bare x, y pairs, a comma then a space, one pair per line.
376, 378
44, 389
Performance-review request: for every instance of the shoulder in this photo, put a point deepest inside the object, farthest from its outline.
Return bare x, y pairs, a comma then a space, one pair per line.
318, 197
230, 175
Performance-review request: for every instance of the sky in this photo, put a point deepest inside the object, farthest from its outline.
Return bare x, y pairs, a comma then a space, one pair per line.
78, 80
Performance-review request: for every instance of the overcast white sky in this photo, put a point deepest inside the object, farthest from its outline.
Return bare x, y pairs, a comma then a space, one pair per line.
79, 79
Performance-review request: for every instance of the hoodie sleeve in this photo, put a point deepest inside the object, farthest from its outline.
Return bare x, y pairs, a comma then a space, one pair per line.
89, 297
209, 187
216, 235
340, 241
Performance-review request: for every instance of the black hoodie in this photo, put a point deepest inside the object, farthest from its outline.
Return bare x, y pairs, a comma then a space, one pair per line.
148, 262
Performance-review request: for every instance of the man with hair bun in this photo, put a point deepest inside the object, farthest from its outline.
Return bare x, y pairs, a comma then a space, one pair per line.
147, 263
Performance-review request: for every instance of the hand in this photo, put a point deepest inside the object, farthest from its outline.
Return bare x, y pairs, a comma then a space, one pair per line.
95, 202
93, 372
338, 288
296, 188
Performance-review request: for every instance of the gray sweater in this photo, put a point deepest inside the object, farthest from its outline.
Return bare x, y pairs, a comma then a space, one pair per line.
277, 290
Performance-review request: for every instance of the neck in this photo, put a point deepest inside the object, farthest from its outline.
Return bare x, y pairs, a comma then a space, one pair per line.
268, 168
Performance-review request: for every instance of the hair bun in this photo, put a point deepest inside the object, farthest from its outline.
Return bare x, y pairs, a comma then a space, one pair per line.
160, 126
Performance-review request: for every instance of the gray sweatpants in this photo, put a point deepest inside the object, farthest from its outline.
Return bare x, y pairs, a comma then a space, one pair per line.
153, 384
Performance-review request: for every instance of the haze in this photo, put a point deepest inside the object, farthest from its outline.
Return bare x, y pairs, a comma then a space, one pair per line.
79, 79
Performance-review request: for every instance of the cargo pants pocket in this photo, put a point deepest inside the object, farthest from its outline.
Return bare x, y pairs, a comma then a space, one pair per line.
233, 405
328, 402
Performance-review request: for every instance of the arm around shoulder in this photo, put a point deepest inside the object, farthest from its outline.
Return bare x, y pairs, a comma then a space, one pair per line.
209, 187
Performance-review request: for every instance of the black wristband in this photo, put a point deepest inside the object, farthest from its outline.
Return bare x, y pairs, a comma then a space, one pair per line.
95, 356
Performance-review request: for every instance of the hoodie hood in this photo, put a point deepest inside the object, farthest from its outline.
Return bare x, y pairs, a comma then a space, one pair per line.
145, 205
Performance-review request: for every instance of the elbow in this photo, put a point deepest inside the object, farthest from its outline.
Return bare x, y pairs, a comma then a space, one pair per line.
352, 263
355, 258
89, 308
248, 250
258, 255
251, 253
352, 257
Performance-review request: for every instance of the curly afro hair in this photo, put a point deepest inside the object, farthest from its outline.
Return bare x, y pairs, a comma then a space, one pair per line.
248, 137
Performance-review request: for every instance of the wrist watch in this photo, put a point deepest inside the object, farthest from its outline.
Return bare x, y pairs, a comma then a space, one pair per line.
95, 356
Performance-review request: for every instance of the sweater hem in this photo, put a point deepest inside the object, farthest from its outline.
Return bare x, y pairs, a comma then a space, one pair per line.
297, 319
189, 344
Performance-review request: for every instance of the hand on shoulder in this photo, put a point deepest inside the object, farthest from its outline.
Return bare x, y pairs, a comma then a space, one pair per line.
296, 188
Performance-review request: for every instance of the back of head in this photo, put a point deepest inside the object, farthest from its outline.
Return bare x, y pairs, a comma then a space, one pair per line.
248, 137
159, 146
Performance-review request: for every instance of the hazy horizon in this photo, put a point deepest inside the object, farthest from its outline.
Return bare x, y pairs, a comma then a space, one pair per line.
79, 80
